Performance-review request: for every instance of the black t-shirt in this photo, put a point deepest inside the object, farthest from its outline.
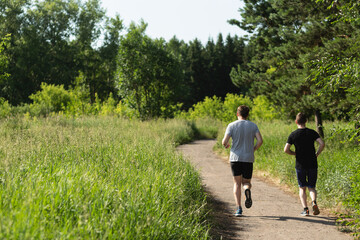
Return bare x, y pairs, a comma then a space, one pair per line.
304, 139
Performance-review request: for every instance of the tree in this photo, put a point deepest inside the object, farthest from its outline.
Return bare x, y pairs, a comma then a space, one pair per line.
108, 54
3, 59
11, 19
87, 32
336, 69
53, 41
285, 36
39, 49
148, 74
196, 69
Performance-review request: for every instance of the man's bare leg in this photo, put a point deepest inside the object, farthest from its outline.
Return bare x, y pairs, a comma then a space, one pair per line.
303, 197
313, 194
237, 190
246, 183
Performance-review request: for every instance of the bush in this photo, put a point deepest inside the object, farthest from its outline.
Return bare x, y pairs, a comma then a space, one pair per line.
5, 108
260, 108
50, 99
231, 103
209, 108
108, 107
263, 110
122, 110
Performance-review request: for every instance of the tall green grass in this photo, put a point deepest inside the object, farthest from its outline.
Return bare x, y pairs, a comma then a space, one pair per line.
98, 178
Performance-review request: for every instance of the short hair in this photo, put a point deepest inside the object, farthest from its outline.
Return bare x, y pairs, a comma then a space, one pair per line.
301, 118
243, 111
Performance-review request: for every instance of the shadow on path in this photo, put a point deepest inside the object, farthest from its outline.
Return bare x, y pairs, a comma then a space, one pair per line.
224, 224
329, 221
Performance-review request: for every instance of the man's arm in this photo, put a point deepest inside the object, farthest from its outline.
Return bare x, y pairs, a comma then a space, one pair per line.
225, 141
288, 150
259, 141
321, 146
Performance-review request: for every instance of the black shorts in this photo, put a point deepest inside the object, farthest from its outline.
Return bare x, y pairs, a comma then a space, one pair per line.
244, 169
307, 177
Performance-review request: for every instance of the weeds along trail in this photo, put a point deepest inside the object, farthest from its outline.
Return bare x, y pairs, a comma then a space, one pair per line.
97, 178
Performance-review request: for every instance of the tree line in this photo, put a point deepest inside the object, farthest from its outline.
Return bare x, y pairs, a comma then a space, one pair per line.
301, 55
72, 43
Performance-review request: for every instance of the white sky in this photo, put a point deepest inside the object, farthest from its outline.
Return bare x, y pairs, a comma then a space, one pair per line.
187, 19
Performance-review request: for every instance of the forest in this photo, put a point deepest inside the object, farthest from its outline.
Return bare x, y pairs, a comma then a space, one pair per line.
300, 55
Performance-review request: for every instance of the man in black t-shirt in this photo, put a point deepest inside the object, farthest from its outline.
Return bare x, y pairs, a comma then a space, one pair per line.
306, 160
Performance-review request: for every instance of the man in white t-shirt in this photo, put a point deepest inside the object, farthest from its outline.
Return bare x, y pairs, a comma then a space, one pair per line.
243, 132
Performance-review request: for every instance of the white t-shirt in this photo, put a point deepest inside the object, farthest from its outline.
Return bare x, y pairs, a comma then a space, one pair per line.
242, 133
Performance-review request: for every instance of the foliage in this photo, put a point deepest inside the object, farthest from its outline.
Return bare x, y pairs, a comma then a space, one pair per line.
5, 108
81, 102
225, 111
3, 58
56, 42
209, 108
93, 178
51, 41
286, 35
263, 110
336, 67
207, 67
231, 103
148, 74
51, 99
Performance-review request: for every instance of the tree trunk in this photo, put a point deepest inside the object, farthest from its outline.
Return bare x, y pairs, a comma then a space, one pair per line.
318, 122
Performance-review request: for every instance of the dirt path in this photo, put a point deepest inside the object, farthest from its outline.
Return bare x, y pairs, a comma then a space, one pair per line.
274, 214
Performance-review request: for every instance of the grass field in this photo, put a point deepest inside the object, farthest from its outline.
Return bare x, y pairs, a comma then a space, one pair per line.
98, 178
109, 178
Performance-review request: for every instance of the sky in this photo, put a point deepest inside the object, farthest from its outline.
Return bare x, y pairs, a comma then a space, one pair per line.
185, 19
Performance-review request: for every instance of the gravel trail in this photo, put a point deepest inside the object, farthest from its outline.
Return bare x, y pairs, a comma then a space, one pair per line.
275, 214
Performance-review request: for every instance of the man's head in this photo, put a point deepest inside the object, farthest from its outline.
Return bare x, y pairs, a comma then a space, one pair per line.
243, 111
300, 119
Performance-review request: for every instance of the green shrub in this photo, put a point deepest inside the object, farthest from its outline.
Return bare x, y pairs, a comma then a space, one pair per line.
231, 103
50, 99
108, 107
215, 108
81, 103
122, 110
209, 108
5, 108
262, 109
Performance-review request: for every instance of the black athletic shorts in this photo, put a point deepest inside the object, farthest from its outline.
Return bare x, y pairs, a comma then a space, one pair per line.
244, 169
307, 177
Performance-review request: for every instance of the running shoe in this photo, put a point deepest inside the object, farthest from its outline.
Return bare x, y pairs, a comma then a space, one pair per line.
305, 212
238, 212
316, 210
248, 201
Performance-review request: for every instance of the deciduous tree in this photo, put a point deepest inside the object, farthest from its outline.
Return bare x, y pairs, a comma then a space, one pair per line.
148, 74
